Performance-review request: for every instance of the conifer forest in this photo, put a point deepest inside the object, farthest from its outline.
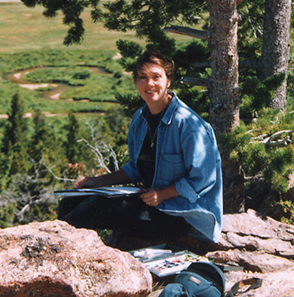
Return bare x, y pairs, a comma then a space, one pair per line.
67, 94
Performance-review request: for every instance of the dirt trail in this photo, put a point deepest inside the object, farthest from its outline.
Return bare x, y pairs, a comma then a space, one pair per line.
51, 90
29, 115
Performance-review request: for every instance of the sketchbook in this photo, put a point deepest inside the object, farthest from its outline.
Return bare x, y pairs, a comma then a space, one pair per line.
110, 192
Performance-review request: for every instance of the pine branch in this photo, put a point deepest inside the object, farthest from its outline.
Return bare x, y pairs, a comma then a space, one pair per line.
201, 65
252, 64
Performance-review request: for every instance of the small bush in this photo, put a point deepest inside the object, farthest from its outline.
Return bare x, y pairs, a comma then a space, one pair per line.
82, 75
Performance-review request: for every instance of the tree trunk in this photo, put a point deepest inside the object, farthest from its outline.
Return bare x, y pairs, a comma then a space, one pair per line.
276, 45
222, 38
223, 91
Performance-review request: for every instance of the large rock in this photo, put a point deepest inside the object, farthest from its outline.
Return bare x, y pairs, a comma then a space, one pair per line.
264, 247
248, 231
251, 223
55, 259
252, 261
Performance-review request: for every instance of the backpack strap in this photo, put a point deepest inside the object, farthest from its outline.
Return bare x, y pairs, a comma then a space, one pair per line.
253, 282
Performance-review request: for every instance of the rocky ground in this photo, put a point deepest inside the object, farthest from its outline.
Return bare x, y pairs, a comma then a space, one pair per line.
263, 247
36, 256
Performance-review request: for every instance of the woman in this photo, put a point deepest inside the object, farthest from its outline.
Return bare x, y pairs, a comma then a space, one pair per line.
173, 152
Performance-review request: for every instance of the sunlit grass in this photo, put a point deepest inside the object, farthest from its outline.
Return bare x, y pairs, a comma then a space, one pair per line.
24, 28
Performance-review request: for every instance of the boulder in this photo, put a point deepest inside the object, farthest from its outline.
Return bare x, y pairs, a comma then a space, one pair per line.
251, 261
55, 259
251, 223
249, 231
263, 246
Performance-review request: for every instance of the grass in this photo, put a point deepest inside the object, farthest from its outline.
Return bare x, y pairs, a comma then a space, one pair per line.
24, 29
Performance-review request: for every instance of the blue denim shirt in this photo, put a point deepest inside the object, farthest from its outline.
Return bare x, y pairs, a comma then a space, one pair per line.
186, 156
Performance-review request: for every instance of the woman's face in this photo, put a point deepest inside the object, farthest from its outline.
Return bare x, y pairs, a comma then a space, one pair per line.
152, 84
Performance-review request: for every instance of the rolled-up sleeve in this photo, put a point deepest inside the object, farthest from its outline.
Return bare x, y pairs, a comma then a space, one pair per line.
132, 172
200, 157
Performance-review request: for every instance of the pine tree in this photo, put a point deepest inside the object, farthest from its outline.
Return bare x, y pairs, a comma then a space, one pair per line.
14, 142
43, 144
44, 149
72, 146
16, 125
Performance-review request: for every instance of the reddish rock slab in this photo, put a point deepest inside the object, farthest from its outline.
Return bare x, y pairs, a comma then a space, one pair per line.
54, 259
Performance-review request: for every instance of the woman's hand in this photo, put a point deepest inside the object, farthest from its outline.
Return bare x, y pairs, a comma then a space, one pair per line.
105, 180
154, 197
86, 182
151, 197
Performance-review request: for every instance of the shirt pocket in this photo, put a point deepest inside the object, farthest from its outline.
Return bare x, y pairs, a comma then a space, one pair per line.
171, 167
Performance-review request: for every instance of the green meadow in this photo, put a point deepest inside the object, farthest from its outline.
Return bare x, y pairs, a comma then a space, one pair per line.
55, 78
33, 43
88, 75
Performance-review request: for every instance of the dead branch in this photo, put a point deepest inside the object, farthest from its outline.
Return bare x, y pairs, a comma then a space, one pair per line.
252, 130
59, 178
196, 81
98, 151
28, 191
270, 140
20, 214
102, 151
187, 31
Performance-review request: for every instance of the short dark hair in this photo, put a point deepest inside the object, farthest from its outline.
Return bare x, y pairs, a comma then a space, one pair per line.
153, 57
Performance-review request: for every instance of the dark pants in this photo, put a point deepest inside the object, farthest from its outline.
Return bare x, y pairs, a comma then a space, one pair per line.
128, 214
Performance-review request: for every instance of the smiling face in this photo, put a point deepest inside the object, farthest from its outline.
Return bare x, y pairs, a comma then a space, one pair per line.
152, 84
